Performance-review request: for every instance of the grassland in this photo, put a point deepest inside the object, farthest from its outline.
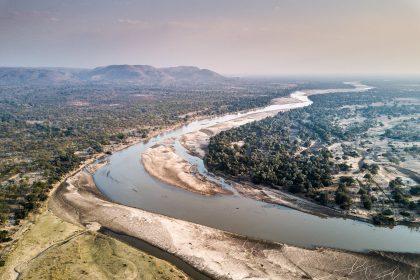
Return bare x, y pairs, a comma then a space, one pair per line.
54, 249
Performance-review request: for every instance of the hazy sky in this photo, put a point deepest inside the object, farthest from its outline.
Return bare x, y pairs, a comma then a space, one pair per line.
228, 36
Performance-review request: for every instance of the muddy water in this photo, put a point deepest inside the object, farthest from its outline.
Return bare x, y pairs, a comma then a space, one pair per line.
125, 181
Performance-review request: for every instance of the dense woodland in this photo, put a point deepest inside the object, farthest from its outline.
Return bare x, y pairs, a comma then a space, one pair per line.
289, 151
47, 131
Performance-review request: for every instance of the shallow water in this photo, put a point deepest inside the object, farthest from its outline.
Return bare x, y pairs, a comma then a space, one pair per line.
124, 180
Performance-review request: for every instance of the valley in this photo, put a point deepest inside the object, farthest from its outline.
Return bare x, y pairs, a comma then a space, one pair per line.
157, 178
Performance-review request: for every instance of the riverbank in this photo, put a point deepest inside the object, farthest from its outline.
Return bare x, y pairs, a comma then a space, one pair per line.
217, 253
196, 144
55, 249
162, 162
27, 223
44, 238
14, 255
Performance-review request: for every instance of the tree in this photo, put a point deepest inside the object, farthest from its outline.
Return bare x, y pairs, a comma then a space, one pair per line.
342, 199
366, 201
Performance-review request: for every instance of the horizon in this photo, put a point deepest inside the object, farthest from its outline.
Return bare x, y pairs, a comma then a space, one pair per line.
248, 75
268, 38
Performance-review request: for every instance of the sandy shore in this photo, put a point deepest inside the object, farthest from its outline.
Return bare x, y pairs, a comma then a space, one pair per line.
217, 253
196, 142
162, 162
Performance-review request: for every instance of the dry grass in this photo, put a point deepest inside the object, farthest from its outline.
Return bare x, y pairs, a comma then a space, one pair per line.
54, 249
95, 256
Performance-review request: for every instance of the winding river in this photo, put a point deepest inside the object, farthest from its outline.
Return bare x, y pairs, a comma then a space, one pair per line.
124, 180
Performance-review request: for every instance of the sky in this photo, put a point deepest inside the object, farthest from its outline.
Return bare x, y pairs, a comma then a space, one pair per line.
233, 37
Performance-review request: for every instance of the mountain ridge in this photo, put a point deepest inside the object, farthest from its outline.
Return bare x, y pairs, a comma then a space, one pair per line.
118, 73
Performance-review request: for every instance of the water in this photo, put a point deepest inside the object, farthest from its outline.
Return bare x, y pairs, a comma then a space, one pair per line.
124, 180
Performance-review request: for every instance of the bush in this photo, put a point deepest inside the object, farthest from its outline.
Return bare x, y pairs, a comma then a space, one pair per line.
323, 198
383, 220
405, 214
342, 199
42, 196
344, 167
387, 212
347, 180
415, 190
367, 201
4, 236
368, 176
361, 191
412, 205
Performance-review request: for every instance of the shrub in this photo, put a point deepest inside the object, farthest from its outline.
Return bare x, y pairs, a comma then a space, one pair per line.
405, 214
342, 199
415, 190
367, 201
381, 219
387, 212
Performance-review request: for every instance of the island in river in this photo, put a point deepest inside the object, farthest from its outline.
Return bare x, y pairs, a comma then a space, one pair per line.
214, 253
341, 152
111, 174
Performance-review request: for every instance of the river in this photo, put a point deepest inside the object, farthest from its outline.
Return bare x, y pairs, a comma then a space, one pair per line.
124, 180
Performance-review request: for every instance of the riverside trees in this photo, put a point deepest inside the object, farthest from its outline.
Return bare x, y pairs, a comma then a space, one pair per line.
291, 150
46, 131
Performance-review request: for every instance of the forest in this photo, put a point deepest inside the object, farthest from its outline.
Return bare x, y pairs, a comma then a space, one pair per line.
47, 131
290, 151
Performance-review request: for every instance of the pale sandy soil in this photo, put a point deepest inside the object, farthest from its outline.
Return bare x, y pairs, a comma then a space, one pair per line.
92, 168
272, 196
220, 254
197, 142
162, 162
358, 87
284, 100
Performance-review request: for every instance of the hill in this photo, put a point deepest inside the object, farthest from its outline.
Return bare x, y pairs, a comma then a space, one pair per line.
135, 74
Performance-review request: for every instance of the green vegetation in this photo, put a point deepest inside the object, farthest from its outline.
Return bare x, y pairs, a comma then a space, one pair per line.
415, 190
47, 131
4, 236
366, 201
407, 131
291, 150
383, 220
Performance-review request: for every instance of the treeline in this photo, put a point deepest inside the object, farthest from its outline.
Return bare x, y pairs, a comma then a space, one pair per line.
49, 130
289, 151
